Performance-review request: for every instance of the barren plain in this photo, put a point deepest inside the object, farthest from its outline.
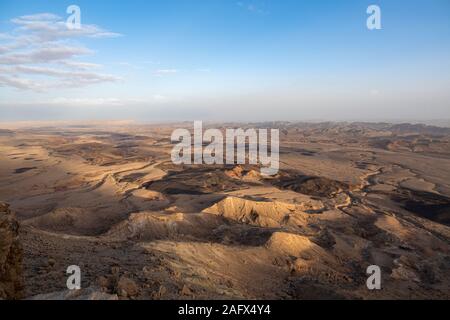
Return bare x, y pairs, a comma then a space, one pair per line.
106, 197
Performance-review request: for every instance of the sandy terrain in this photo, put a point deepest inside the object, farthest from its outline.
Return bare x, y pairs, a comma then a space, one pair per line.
108, 199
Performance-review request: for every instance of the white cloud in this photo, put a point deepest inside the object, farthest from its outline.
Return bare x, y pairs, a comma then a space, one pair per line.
80, 65
251, 7
5, 36
162, 72
69, 102
44, 55
205, 70
49, 27
86, 102
132, 66
20, 83
39, 17
42, 45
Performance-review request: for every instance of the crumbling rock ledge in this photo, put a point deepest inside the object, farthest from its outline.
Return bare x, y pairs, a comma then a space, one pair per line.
11, 254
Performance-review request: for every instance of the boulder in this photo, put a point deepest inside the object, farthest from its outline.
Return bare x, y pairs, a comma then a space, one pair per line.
127, 288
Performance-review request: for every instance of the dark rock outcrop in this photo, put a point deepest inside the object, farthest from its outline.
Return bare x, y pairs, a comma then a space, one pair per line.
11, 282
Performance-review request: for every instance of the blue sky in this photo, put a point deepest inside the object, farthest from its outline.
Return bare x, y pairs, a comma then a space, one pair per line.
223, 59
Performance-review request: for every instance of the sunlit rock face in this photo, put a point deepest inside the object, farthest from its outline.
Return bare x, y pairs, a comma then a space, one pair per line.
11, 283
